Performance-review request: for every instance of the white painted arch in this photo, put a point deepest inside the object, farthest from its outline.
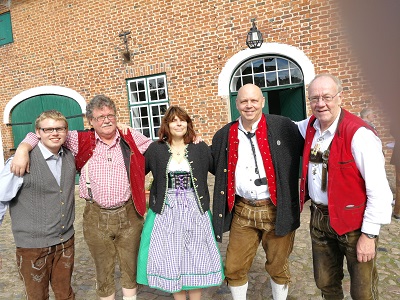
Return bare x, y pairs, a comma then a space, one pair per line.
41, 90
288, 51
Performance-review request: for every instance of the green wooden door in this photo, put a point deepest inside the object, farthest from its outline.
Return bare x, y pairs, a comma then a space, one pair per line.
23, 116
288, 102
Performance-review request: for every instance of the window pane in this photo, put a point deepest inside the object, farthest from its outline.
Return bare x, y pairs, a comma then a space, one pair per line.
283, 77
258, 66
156, 122
296, 75
152, 84
145, 122
135, 118
155, 110
155, 131
146, 132
271, 79
237, 73
163, 109
143, 111
142, 97
259, 80
269, 64
282, 63
238, 84
132, 86
140, 85
161, 95
247, 79
160, 82
246, 69
135, 112
153, 96
134, 98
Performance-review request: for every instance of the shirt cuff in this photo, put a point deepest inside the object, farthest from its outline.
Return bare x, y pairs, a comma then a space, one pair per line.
371, 228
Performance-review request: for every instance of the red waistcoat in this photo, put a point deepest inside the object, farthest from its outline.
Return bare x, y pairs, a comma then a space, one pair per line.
233, 156
347, 197
134, 161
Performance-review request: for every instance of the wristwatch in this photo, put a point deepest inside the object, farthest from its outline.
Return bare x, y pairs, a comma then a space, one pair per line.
370, 236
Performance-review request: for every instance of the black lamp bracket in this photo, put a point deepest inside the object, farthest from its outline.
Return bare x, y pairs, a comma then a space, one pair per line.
124, 35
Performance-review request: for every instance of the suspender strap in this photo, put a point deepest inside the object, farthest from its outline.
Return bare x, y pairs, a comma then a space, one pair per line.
88, 180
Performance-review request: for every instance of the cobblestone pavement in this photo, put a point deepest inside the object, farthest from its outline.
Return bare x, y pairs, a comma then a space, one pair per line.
302, 287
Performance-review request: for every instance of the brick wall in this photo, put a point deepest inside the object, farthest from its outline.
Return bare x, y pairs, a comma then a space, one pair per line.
75, 44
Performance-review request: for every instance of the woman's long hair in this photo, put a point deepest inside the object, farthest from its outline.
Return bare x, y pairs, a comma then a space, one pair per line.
173, 111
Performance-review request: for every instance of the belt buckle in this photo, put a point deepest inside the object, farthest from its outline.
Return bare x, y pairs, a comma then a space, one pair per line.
252, 202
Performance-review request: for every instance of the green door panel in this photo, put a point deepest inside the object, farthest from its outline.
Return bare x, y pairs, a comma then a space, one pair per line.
292, 103
288, 102
23, 115
6, 35
67, 106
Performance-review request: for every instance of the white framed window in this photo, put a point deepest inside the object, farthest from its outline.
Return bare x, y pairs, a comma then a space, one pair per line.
148, 101
266, 72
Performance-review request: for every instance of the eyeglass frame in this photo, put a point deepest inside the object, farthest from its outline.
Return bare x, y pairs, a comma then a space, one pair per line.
325, 98
110, 117
56, 129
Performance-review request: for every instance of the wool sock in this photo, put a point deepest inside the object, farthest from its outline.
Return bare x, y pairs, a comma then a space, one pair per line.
279, 291
239, 292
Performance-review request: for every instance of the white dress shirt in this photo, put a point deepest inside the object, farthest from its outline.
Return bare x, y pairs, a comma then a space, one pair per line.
245, 174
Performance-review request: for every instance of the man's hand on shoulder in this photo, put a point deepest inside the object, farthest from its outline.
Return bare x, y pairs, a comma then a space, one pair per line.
124, 128
197, 139
20, 163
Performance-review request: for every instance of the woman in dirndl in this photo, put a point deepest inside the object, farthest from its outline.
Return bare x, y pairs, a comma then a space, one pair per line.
178, 251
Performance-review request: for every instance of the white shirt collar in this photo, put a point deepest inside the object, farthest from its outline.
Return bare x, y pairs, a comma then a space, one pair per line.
331, 129
253, 127
46, 152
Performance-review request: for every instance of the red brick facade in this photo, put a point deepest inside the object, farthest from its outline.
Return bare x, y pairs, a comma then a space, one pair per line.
75, 44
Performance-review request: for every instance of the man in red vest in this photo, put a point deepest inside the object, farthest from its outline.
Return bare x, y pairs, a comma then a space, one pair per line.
343, 174
256, 191
112, 182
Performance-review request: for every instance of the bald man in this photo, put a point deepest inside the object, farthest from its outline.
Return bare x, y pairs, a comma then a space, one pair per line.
256, 191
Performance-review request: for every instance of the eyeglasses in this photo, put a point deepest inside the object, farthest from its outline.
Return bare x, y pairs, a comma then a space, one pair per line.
102, 118
57, 129
325, 98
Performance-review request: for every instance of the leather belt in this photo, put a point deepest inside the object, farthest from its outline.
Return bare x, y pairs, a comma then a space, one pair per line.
108, 208
321, 207
255, 203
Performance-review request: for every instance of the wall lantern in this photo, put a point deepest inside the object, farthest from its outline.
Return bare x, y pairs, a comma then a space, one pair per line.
254, 37
126, 54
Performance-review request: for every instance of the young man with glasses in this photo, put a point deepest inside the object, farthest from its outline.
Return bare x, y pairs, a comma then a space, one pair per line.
42, 210
112, 182
343, 174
